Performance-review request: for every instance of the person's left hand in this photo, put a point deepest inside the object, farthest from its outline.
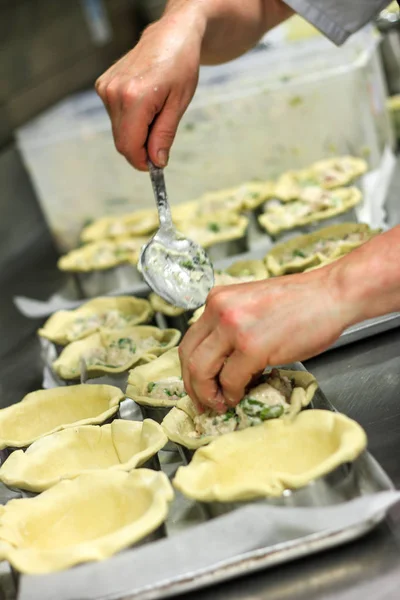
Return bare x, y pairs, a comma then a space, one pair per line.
249, 326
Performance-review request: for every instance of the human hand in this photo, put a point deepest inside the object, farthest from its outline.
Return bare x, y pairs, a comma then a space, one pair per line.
249, 326
148, 90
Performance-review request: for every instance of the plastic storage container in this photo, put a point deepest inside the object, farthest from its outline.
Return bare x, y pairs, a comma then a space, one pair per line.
275, 108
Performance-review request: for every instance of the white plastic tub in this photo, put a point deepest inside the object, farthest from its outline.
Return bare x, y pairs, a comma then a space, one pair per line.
271, 110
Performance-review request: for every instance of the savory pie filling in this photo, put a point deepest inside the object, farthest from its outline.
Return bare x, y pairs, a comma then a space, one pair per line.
111, 319
326, 246
119, 352
270, 399
313, 200
170, 388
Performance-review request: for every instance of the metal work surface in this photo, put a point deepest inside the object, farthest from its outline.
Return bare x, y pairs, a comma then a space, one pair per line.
362, 380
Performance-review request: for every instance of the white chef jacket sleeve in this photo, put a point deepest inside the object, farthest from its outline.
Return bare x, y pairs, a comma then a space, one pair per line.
338, 19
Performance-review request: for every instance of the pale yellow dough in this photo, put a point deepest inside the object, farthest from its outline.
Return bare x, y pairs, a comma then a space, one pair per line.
120, 446
264, 461
47, 411
139, 223
179, 422
89, 518
231, 226
60, 327
167, 365
69, 364
282, 258
102, 255
160, 305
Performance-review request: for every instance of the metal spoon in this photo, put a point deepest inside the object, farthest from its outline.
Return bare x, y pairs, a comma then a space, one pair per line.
176, 268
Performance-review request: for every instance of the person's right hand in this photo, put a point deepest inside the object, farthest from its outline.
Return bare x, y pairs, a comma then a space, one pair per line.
148, 90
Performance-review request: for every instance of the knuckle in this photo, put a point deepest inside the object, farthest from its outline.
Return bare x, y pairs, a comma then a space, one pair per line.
231, 316
111, 91
246, 343
192, 368
130, 94
214, 299
120, 144
99, 84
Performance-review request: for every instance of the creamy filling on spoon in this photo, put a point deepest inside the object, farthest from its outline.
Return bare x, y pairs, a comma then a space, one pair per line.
183, 278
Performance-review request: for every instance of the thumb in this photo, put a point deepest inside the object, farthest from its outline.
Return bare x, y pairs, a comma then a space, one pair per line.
163, 132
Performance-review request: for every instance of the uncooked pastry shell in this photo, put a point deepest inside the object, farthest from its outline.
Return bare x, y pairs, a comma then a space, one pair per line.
167, 365
68, 364
274, 262
57, 328
277, 455
89, 518
179, 424
119, 446
47, 411
350, 197
139, 223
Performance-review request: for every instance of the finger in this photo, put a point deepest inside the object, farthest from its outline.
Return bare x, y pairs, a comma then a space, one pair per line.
237, 372
204, 366
195, 335
139, 110
163, 131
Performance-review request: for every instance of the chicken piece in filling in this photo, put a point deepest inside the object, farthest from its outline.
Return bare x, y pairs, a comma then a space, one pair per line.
111, 319
270, 399
170, 388
119, 352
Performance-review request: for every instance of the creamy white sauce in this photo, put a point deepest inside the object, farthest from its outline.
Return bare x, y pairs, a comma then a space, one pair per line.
178, 277
170, 388
268, 400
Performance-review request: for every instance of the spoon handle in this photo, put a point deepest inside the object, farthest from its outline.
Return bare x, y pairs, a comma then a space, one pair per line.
160, 194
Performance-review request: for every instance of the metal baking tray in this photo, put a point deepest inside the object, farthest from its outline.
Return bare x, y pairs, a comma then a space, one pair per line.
361, 478
103, 282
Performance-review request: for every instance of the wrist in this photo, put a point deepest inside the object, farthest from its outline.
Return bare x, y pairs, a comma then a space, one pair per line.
184, 13
361, 286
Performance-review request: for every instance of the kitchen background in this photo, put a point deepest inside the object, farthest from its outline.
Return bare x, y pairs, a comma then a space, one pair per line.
50, 49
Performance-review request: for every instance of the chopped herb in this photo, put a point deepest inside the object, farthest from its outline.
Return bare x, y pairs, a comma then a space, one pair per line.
296, 101
271, 412
187, 264
299, 253
253, 401
229, 414
126, 344
214, 227
163, 344
150, 386
168, 392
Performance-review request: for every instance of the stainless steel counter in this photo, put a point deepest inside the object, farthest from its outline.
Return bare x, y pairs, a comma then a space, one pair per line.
361, 380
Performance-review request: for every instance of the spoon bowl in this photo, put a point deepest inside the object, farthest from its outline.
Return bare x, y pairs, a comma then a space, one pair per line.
176, 268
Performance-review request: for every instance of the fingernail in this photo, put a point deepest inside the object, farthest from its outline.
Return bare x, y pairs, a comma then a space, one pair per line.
230, 401
162, 156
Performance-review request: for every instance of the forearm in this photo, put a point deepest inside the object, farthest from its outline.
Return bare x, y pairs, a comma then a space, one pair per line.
367, 281
228, 28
